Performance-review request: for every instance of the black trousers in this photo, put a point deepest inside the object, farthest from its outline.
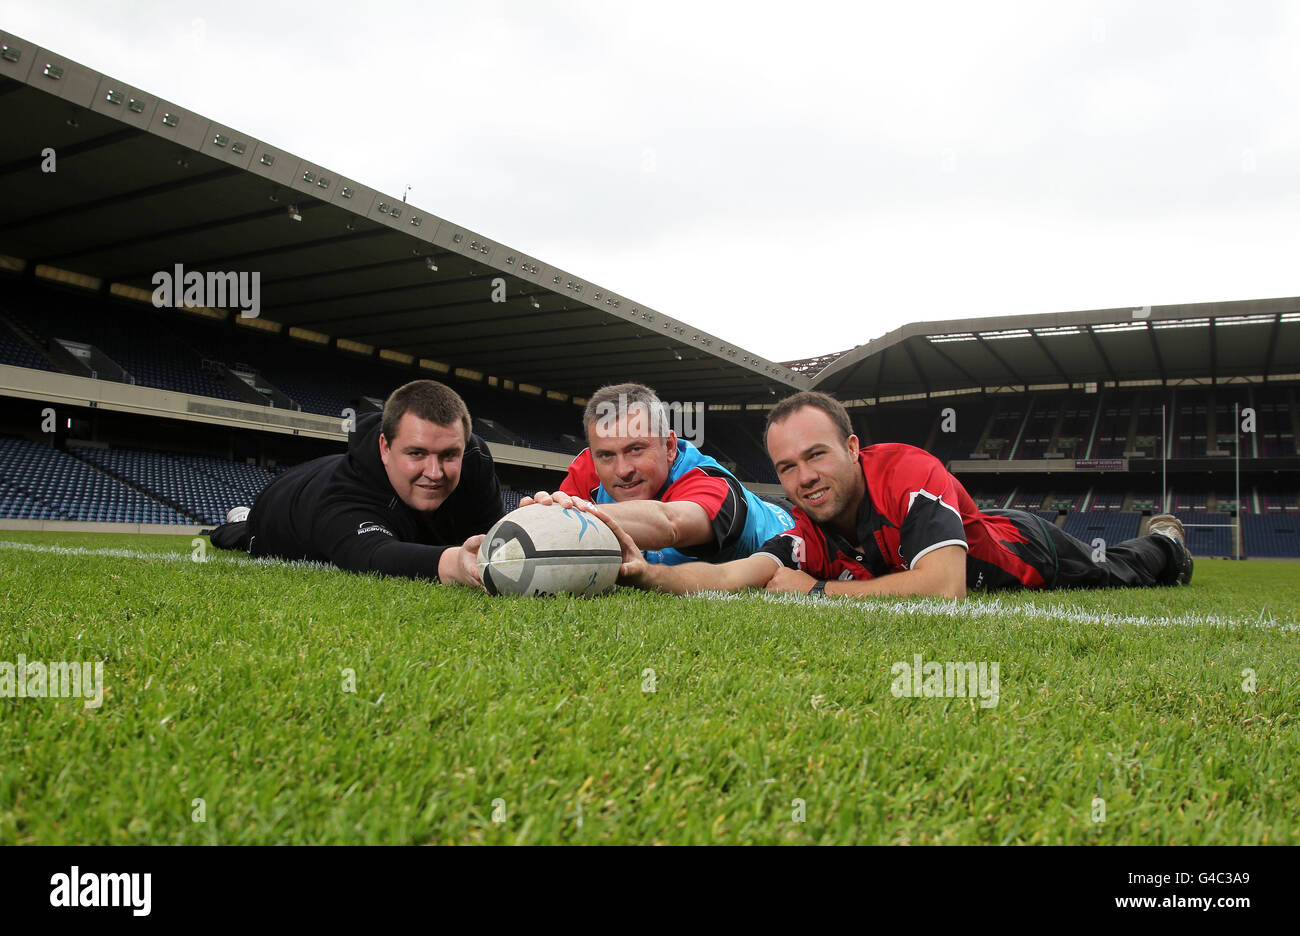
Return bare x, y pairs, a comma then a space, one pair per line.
232, 536
1066, 562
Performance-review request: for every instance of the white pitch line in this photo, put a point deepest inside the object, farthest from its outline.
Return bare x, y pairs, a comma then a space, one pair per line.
212, 554
982, 607
993, 606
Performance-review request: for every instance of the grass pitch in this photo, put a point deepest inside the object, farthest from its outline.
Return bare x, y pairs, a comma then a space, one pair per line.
1121, 717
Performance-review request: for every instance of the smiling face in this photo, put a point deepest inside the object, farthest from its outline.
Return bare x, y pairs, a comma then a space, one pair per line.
423, 461
818, 468
631, 461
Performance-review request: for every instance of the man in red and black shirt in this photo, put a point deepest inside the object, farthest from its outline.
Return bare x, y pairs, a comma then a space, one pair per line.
890, 519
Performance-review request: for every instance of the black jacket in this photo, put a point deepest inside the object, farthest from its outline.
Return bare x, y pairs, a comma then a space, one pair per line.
343, 509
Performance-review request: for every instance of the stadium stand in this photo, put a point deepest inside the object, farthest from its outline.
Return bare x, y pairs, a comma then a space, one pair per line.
17, 352
1077, 417
1004, 429
1039, 426
1188, 429
1029, 497
1107, 500
986, 497
1276, 427
16, 502
732, 443
180, 352
202, 488
137, 337
1271, 535
1190, 504
1113, 429
73, 489
1062, 499
971, 415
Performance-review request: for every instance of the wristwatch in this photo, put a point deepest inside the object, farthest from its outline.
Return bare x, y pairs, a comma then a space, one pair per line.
819, 588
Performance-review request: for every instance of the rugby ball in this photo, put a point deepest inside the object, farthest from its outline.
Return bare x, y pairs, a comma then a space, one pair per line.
549, 550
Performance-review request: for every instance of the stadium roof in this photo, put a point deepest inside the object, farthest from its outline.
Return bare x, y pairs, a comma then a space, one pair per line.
1210, 340
143, 184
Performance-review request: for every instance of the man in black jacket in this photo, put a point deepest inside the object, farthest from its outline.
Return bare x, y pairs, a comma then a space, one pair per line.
412, 496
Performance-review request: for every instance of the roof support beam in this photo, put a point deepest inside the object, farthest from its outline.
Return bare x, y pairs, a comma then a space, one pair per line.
997, 357
974, 382
229, 261
1110, 371
1272, 346
846, 377
68, 150
1042, 346
1214, 354
916, 364
880, 370
1155, 351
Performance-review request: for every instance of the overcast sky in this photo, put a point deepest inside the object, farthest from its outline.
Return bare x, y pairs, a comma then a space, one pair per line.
797, 178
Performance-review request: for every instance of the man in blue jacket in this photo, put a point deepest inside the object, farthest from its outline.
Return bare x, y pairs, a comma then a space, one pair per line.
678, 504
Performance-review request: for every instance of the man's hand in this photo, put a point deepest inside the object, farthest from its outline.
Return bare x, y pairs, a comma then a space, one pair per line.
459, 564
634, 566
555, 497
690, 577
791, 580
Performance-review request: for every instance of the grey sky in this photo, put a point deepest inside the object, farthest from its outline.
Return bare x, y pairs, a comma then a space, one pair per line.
796, 178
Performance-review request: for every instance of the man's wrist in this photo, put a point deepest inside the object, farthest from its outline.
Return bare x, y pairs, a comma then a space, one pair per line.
448, 564
819, 588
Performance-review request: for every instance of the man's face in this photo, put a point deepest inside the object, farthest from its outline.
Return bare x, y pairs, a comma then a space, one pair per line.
631, 461
818, 469
423, 461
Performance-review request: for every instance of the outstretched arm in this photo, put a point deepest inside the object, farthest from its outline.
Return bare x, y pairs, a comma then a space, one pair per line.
940, 573
652, 524
753, 572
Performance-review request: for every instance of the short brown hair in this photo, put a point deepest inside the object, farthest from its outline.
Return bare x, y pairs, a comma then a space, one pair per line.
428, 400
816, 399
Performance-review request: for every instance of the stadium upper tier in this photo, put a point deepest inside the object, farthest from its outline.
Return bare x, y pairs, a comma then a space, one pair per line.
1208, 341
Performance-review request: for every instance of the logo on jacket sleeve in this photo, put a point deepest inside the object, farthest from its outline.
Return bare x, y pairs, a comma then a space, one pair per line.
369, 527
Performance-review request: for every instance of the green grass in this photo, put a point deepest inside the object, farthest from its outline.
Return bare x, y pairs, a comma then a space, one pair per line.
224, 681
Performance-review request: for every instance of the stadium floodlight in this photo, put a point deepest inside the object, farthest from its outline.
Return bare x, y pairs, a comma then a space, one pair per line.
433, 267
533, 300
294, 213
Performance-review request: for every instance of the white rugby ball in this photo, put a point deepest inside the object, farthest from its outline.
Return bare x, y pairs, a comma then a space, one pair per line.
549, 550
